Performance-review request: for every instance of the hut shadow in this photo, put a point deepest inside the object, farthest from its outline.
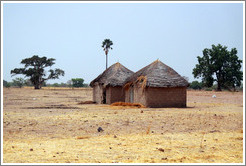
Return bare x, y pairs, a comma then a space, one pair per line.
190, 107
167, 108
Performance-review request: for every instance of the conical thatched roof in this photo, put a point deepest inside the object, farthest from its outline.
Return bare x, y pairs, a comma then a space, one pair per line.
115, 75
157, 74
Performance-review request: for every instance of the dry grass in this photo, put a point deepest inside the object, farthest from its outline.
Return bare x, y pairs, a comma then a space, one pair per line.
131, 105
148, 130
83, 137
210, 130
127, 85
201, 143
142, 80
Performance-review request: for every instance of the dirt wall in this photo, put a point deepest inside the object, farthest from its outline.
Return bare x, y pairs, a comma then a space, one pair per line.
127, 96
98, 94
139, 95
166, 97
115, 94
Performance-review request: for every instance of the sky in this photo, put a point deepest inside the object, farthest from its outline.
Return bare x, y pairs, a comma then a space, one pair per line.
72, 33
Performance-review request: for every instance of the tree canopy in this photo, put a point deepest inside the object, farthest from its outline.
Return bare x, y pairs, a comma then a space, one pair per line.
5, 83
19, 82
196, 85
220, 65
78, 82
34, 68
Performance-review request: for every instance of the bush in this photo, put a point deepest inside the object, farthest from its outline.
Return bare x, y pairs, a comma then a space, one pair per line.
86, 85
196, 85
78, 82
28, 82
208, 89
56, 85
5, 83
19, 82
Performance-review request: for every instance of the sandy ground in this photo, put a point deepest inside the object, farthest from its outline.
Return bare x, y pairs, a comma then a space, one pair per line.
49, 126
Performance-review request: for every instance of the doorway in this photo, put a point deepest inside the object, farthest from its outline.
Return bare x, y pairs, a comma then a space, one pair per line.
104, 96
131, 95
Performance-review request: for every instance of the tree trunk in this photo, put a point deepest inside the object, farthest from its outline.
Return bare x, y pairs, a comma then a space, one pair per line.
106, 61
218, 75
37, 86
219, 86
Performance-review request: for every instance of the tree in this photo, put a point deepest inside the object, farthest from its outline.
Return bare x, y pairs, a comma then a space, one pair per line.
106, 45
9, 84
18, 82
69, 83
34, 68
56, 85
28, 82
78, 82
85, 85
5, 83
220, 65
63, 84
196, 85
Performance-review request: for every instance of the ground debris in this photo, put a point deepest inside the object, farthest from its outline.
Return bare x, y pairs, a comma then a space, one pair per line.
87, 102
213, 131
82, 137
100, 129
59, 106
160, 149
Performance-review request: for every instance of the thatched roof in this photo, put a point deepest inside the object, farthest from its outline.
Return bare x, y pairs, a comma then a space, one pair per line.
157, 74
115, 75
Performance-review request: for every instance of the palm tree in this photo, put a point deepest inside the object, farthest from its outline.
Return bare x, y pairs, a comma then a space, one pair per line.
106, 45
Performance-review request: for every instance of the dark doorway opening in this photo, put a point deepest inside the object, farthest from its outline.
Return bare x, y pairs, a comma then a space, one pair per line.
104, 95
131, 95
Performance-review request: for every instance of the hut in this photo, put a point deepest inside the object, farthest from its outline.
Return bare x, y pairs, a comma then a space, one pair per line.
108, 86
156, 85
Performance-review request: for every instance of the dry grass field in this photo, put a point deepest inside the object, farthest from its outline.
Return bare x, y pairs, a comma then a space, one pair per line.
50, 126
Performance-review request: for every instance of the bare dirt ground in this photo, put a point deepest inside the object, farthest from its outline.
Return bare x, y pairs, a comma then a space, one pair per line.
49, 126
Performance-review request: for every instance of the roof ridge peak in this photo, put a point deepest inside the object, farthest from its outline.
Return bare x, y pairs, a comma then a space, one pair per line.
157, 61
159, 75
111, 73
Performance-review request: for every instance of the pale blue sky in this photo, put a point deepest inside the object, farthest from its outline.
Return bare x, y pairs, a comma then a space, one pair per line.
141, 33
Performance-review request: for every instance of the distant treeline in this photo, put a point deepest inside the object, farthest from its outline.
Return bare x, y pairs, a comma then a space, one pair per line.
200, 86
79, 82
20, 82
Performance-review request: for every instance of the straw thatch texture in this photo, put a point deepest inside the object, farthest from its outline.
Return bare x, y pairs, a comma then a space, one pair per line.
157, 74
124, 104
115, 75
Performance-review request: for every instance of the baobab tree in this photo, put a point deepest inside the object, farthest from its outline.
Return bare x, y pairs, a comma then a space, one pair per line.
34, 69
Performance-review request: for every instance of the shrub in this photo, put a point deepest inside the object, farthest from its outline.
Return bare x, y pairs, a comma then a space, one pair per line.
208, 89
5, 83
19, 82
78, 82
196, 85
